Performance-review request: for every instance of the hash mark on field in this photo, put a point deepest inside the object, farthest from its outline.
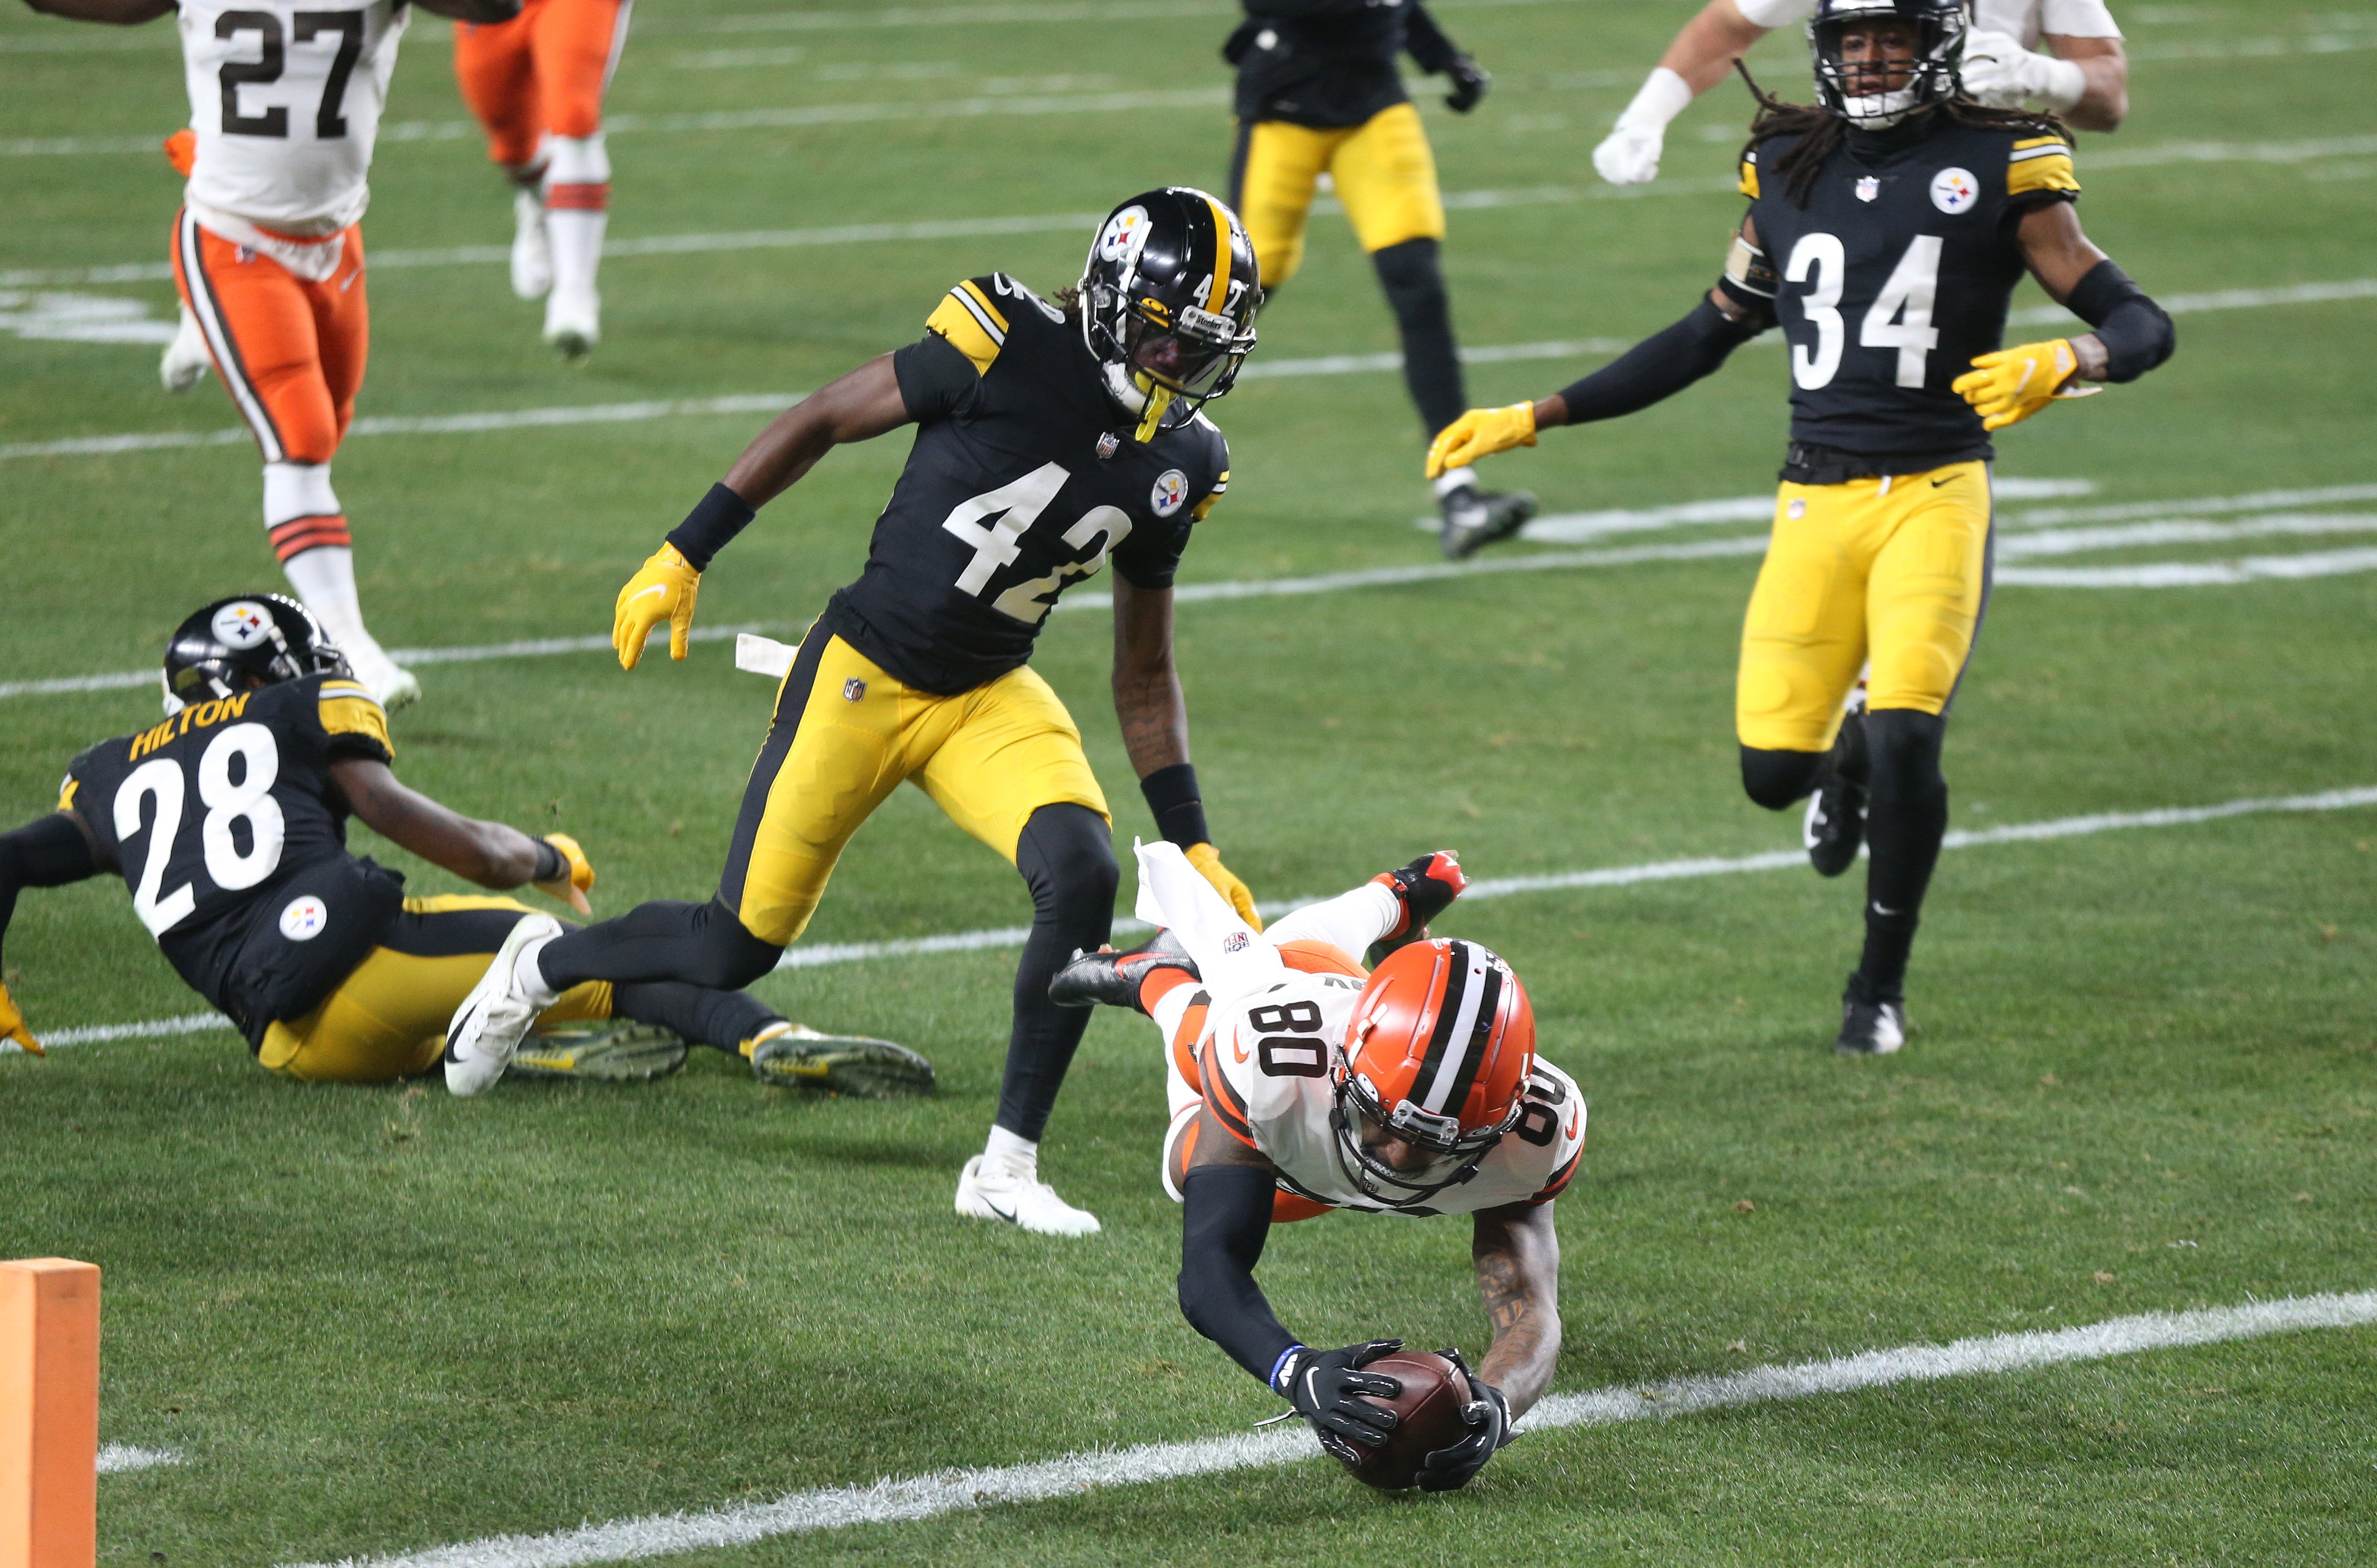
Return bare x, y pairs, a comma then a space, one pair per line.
912, 1498
820, 954
116, 1458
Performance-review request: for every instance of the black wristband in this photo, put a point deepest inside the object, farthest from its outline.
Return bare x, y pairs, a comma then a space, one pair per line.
712, 524
1172, 796
2136, 332
551, 864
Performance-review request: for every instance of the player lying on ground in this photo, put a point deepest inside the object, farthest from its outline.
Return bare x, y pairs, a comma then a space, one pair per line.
2084, 75
1301, 1082
228, 823
1050, 437
285, 101
1901, 212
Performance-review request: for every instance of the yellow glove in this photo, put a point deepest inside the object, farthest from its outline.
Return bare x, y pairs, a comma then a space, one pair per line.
1208, 861
572, 886
2007, 386
1481, 433
663, 588
12, 1023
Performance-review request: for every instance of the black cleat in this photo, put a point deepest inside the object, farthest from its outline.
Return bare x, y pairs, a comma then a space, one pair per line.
1475, 519
1870, 1028
1425, 889
1113, 977
864, 1068
619, 1052
1833, 830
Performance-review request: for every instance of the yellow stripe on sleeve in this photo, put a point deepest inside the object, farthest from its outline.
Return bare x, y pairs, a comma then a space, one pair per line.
1750, 175
67, 793
350, 710
2041, 163
963, 321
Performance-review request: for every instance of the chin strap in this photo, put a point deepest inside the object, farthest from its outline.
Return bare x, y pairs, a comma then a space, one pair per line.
1159, 399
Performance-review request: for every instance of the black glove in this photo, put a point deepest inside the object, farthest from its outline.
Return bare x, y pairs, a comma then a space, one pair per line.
1489, 1414
1324, 1386
1470, 81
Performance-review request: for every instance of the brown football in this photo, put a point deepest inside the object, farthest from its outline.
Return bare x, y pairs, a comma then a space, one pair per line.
1434, 1391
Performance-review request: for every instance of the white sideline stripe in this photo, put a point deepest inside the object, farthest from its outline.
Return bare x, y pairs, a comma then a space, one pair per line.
823, 953
924, 1497
116, 1458
2196, 574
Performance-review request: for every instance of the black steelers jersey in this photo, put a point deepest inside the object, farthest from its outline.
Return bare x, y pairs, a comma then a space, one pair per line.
1896, 275
1330, 65
225, 825
1024, 479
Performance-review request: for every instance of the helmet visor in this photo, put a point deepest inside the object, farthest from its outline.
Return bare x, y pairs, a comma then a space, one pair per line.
1874, 55
1193, 363
1402, 1165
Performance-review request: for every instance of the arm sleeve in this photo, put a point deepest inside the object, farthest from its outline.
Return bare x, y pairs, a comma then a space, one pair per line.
49, 853
936, 378
1426, 43
2078, 19
1659, 366
1226, 1219
2137, 333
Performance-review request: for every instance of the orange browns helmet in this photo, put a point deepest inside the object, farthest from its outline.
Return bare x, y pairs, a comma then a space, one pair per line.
1434, 1068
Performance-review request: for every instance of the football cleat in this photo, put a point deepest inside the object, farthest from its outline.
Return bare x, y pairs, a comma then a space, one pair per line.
995, 1187
1475, 519
393, 685
1113, 977
185, 362
486, 1029
1425, 889
531, 250
621, 1051
1870, 1028
797, 1056
1833, 829
573, 322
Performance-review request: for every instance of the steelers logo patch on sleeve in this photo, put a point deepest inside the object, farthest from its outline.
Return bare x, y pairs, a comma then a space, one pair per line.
1171, 491
1954, 190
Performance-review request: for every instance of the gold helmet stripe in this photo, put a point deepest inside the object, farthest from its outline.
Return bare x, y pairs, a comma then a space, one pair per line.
1220, 292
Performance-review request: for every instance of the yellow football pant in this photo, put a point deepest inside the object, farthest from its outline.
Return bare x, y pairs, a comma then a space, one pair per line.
1892, 570
1383, 169
846, 734
388, 1018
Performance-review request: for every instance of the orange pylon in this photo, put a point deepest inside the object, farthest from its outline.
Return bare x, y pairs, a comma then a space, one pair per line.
49, 1413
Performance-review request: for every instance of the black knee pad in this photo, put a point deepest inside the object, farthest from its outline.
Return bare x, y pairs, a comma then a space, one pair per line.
1413, 281
726, 956
1066, 856
1905, 744
1778, 779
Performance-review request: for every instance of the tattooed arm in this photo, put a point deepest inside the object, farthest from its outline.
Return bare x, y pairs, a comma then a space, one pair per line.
1518, 1275
1154, 716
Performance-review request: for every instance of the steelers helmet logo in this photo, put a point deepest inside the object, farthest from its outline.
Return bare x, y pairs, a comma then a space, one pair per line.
242, 624
1126, 236
1954, 190
305, 919
1171, 491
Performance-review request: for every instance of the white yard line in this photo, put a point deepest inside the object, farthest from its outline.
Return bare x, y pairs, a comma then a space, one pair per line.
116, 1458
820, 954
904, 1499
2194, 574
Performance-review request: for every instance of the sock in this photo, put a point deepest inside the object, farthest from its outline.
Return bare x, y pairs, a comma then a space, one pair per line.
1453, 478
1906, 819
576, 201
1011, 1149
1168, 1009
529, 979
1159, 984
325, 579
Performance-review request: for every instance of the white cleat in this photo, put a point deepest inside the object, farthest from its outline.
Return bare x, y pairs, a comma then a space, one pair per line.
487, 1028
1004, 1190
185, 362
531, 250
393, 685
573, 322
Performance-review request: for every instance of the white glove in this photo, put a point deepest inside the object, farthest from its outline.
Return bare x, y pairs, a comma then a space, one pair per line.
1629, 154
1999, 72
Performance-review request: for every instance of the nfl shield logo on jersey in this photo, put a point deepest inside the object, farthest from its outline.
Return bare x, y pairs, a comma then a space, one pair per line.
1868, 189
1953, 190
852, 690
1171, 490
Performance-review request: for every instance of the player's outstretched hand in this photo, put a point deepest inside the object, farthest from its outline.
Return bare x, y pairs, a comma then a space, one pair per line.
1208, 861
1481, 433
1469, 80
663, 588
1489, 1414
1630, 155
1326, 1387
2007, 386
12, 1025
576, 880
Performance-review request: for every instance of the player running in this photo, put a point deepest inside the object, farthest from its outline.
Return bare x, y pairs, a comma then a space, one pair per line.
1904, 213
536, 84
1319, 95
2084, 76
269, 253
228, 823
1051, 437
1301, 1082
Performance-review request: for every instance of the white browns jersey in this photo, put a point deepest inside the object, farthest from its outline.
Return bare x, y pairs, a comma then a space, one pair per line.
2028, 20
286, 99
1264, 1065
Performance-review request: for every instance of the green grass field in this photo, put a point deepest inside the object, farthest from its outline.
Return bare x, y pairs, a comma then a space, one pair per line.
377, 1322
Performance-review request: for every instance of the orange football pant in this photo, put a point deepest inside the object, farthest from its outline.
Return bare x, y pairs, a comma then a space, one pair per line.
544, 71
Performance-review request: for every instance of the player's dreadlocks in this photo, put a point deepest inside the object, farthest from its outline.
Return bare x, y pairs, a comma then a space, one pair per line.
1819, 132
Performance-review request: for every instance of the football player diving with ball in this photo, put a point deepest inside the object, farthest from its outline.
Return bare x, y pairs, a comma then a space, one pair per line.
1888, 226
1300, 1081
1050, 438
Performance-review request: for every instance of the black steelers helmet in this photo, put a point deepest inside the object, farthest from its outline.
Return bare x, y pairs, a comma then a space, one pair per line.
250, 640
1169, 300
1860, 94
